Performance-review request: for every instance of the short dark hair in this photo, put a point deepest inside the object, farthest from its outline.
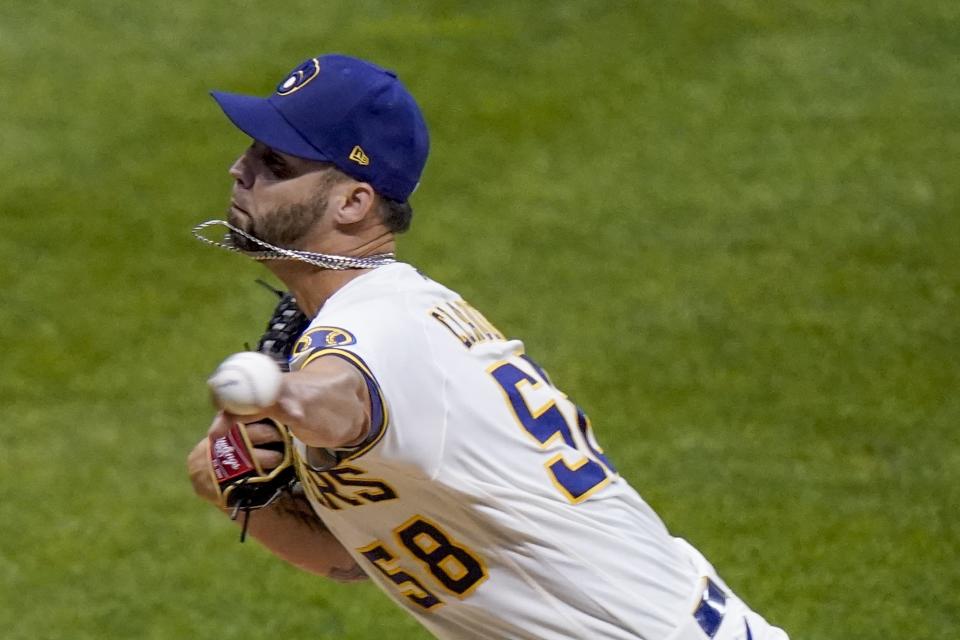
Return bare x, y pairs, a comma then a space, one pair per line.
396, 215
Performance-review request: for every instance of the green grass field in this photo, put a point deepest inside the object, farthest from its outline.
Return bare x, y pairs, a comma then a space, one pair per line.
730, 230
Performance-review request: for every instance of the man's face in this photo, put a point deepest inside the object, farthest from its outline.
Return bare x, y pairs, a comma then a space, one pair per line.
276, 197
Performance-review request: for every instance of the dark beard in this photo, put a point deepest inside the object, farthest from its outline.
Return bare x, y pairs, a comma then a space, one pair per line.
283, 227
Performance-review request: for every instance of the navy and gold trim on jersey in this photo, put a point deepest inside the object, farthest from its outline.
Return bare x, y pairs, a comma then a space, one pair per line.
379, 417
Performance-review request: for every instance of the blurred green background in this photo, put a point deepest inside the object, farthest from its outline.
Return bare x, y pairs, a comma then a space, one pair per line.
729, 230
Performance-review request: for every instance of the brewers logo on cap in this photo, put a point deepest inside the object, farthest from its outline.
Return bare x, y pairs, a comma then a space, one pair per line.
299, 77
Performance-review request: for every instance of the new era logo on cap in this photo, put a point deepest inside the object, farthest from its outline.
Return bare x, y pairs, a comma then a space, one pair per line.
345, 111
358, 156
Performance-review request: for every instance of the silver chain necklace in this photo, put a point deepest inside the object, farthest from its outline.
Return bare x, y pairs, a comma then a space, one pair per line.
271, 252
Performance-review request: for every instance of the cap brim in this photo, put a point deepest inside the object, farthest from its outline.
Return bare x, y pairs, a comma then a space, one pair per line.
261, 121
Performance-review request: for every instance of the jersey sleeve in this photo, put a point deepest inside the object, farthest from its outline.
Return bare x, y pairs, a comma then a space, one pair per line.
325, 341
408, 416
378, 408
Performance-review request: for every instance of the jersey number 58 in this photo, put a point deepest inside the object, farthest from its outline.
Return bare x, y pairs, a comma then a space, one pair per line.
580, 471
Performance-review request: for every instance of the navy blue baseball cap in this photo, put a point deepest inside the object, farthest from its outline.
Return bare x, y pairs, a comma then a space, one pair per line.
345, 111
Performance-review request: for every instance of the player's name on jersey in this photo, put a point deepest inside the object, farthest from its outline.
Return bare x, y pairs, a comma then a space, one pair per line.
466, 323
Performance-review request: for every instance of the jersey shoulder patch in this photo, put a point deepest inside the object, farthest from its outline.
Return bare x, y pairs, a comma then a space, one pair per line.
322, 338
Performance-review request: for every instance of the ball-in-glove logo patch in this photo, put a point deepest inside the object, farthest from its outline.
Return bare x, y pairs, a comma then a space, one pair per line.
322, 338
299, 77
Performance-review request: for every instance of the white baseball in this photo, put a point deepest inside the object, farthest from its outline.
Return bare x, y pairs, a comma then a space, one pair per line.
246, 383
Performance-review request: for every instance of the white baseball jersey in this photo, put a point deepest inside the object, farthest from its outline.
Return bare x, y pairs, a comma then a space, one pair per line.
481, 502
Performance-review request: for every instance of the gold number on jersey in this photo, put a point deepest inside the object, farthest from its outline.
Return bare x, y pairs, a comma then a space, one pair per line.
410, 587
454, 566
547, 424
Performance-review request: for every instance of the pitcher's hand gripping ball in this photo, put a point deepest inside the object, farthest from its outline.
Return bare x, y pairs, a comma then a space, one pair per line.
246, 383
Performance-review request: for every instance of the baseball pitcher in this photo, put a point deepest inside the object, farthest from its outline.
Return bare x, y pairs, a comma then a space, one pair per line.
395, 433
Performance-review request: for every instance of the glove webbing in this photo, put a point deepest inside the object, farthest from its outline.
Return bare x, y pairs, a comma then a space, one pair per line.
284, 328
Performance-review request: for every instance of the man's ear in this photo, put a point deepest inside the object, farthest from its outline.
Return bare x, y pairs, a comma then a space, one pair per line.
355, 201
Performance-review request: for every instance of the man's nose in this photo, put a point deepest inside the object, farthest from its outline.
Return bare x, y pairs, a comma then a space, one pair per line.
240, 173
